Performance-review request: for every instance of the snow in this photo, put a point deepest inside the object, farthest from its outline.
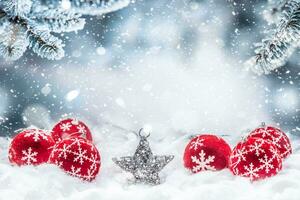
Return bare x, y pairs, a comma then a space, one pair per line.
49, 182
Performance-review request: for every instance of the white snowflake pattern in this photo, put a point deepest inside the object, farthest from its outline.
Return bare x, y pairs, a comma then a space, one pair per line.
276, 141
264, 131
236, 171
59, 163
65, 126
75, 171
36, 134
195, 144
29, 156
94, 160
257, 147
265, 158
202, 162
251, 171
240, 155
287, 151
277, 138
64, 152
81, 129
273, 137
90, 175
79, 155
275, 152
266, 163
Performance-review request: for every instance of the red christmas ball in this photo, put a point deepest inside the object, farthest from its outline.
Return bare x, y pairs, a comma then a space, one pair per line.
70, 128
77, 157
30, 147
255, 158
276, 137
206, 152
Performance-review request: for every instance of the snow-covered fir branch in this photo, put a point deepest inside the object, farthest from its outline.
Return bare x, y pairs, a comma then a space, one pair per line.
273, 53
88, 7
31, 23
274, 10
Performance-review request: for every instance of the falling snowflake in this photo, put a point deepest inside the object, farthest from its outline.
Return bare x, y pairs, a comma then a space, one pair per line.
195, 144
29, 156
37, 134
65, 126
203, 163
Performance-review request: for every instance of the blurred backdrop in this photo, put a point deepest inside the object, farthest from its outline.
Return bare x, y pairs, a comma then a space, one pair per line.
174, 64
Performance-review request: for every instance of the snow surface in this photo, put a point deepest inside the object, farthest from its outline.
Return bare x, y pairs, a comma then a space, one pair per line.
48, 182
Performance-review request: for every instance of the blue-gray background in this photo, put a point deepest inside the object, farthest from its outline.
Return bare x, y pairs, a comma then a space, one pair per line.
38, 92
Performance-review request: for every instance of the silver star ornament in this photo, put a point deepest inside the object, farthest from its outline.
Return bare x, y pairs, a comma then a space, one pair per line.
143, 164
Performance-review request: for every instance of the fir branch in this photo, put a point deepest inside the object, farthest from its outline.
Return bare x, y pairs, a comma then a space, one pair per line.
17, 7
2, 14
90, 7
58, 21
274, 10
30, 23
98, 7
273, 53
3, 20
45, 45
41, 42
13, 41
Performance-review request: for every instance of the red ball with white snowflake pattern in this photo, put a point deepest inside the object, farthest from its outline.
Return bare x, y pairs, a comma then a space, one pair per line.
77, 157
70, 128
256, 159
206, 152
30, 147
276, 137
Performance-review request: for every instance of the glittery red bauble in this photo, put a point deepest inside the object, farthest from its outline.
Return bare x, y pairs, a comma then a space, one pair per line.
276, 137
77, 157
255, 158
70, 128
30, 147
206, 152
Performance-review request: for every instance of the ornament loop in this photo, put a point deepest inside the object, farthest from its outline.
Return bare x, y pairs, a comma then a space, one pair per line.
142, 135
